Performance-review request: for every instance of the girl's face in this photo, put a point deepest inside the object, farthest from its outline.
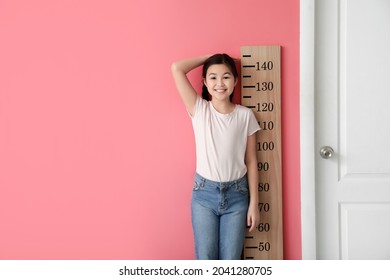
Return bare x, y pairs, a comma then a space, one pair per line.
220, 81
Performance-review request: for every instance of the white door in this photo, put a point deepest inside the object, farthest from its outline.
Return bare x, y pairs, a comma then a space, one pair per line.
352, 116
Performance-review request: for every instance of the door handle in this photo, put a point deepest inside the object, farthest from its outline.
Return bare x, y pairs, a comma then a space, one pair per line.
326, 152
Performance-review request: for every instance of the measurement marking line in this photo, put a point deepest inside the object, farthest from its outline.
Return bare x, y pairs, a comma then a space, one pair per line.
247, 96
252, 107
249, 258
247, 76
249, 66
251, 247
249, 86
248, 237
247, 55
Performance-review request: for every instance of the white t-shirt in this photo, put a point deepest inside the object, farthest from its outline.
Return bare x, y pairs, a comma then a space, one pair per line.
221, 140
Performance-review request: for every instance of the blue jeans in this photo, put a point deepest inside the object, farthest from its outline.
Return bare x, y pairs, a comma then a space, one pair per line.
219, 212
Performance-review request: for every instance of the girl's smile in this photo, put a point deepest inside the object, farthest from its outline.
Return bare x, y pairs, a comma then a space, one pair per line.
219, 81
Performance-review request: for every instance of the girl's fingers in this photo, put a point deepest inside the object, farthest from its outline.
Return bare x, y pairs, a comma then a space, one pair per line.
250, 223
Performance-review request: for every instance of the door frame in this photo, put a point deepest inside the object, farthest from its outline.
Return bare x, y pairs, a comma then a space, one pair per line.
307, 132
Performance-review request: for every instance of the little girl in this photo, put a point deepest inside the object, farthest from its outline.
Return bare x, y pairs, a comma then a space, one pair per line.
224, 197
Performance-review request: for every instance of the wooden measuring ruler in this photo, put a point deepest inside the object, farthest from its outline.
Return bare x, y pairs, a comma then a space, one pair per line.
261, 91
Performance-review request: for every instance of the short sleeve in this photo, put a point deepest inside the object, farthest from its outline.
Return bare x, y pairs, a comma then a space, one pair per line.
253, 125
199, 107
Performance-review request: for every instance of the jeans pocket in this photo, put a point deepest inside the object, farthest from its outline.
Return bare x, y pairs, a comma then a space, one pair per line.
197, 185
242, 187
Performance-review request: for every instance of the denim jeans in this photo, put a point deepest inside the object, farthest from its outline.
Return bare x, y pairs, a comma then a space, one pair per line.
219, 212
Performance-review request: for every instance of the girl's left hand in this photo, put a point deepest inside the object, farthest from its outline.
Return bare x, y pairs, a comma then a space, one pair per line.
253, 217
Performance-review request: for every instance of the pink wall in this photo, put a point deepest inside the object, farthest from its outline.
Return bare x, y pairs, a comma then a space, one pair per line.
96, 149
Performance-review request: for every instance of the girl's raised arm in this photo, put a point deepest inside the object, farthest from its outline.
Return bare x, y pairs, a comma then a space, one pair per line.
183, 85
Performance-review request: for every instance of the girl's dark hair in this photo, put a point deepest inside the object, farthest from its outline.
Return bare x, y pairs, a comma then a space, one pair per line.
218, 59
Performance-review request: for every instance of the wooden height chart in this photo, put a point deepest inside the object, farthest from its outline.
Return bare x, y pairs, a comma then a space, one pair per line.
261, 91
